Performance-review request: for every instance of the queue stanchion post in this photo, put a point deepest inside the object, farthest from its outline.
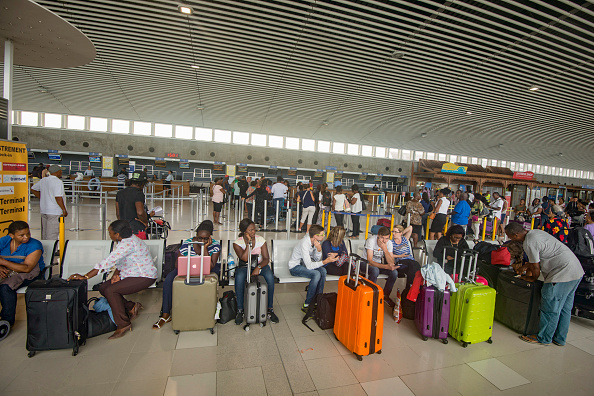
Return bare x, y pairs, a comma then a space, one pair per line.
288, 219
253, 210
367, 225
297, 220
323, 219
392, 222
407, 219
265, 214
104, 221
484, 228
427, 229
276, 216
62, 238
329, 221
494, 231
532, 223
192, 214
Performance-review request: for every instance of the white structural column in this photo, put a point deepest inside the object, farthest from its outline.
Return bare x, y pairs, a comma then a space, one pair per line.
8, 68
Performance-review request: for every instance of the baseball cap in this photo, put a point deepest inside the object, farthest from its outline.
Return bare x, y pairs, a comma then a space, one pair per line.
139, 176
55, 168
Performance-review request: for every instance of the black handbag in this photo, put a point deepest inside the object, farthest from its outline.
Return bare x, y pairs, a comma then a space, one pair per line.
228, 307
99, 322
402, 210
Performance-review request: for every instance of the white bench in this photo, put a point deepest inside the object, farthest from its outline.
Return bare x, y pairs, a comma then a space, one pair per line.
81, 255
157, 250
281, 250
49, 250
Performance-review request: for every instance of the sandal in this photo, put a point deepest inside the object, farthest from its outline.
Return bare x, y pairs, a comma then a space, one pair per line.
161, 322
532, 339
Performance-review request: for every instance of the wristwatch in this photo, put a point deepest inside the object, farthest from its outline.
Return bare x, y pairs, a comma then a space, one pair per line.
260, 268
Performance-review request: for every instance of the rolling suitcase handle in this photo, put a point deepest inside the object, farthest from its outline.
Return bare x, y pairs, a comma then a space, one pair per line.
357, 259
189, 280
443, 260
249, 263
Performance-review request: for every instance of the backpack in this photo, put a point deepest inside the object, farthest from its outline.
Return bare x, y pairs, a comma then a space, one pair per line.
326, 198
363, 206
580, 242
484, 250
171, 254
325, 310
485, 211
228, 307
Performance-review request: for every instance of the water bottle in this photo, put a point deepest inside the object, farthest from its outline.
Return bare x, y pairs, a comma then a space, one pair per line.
230, 264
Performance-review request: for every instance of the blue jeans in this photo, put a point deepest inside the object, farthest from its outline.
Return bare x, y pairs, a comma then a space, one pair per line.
168, 288
555, 311
281, 204
317, 279
374, 273
240, 279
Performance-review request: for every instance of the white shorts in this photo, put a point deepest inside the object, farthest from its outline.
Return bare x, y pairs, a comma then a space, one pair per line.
307, 215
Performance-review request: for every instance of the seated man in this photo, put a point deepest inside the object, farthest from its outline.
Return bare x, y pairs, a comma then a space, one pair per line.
380, 259
21, 262
306, 261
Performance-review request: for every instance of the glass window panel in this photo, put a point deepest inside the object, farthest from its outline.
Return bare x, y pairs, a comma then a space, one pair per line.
142, 128
419, 155
504, 164
120, 126
474, 160
53, 120
164, 130
75, 122
380, 152
441, 157
453, 158
430, 156
367, 151
323, 146
338, 148
29, 118
241, 137
204, 134
275, 141
493, 163
292, 143
98, 124
352, 149
258, 139
183, 132
393, 153
463, 159
484, 162
222, 136
308, 144
406, 155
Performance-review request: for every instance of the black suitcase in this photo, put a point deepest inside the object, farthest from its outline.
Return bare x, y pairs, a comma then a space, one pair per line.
98, 322
170, 260
325, 310
490, 272
517, 303
57, 313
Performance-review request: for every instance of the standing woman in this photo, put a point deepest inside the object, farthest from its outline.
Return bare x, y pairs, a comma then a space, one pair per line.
168, 180
428, 209
477, 217
441, 212
218, 196
535, 211
259, 256
338, 205
135, 271
356, 208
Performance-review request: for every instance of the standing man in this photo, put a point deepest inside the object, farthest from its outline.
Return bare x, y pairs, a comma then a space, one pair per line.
562, 274
461, 212
168, 180
50, 191
130, 204
497, 207
278, 190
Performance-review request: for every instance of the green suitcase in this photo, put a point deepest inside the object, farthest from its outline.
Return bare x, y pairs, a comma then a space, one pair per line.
472, 309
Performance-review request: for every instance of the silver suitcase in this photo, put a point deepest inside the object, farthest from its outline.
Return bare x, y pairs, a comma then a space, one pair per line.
256, 299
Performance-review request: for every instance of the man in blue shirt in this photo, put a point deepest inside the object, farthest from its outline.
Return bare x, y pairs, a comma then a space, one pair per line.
461, 212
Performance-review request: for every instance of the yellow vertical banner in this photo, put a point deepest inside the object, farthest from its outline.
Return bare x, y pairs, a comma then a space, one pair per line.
14, 186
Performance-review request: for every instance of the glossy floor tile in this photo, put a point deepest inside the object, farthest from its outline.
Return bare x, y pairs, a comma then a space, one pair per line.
196, 339
498, 373
390, 386
196, 384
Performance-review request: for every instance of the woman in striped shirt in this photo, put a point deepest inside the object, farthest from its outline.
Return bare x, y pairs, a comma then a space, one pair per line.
403, 254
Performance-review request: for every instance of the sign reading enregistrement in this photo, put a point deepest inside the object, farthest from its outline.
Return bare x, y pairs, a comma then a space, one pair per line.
14, 196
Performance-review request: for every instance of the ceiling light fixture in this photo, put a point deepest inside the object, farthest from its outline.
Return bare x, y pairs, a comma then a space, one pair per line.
423, 135
195, 66
469, 112
397, 55
200, 107
500, 145
42, 89
185, 10
325, 122
560, 154
533, 88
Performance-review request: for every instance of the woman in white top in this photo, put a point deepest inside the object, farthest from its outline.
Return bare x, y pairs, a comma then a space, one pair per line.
535, 211
135, 271
168, 180
218, 196
441, 212
338, 203
356, 208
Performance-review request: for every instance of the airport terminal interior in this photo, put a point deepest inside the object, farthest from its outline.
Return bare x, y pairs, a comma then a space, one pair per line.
396, 97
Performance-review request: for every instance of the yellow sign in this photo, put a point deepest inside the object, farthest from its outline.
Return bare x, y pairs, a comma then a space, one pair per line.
448, 167
107, 167
330, 177
231, 170
14, 186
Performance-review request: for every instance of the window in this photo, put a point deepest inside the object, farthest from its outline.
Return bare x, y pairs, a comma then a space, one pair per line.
442, 157
484, 162
308, 144
580, 174
367, 151
493, 163
338, 148
537, 169
241, 137
142, 128
29, 118
504, 164
120, 126
453, 158
98, 124
352, 149
292, 143
463, 159
406, 155
323, 146
53, 120
430, 156
163, 130
393, 153
545, 170
553, 170
204, 134
275, 141
380, 152
474, 160
75, 122
183, 132
222, 136
419, 155
258, 139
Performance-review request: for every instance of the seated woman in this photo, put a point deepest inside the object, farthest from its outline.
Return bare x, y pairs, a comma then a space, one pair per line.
380, 259
211, 247
21, 262
259, 257
306, 261
454, 237
335, 244
135, 271
403, 254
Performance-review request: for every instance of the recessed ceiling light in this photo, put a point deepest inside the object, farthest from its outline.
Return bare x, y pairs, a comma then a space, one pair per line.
325, 122
533, 88
560, 154
423, 135
42, 90
469, 112
397, 55
185, 10
195, 66
200, 107
500, 145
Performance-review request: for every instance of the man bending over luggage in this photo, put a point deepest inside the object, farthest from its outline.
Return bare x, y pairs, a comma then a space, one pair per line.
306, 261
562, 274
380, 259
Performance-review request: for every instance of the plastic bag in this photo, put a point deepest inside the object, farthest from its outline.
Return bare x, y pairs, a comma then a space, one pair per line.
397, 313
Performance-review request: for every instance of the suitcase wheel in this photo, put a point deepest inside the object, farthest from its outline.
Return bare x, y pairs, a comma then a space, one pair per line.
464, 344
246, 327
211, 331
176, 331
445, 341
425, 338
359, 357
4, 329
490, 341
31, 354
379, 352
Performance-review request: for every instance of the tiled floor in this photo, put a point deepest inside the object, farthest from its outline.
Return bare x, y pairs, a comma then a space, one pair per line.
287, 358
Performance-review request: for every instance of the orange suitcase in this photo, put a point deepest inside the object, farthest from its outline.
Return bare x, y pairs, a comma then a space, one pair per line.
359, 320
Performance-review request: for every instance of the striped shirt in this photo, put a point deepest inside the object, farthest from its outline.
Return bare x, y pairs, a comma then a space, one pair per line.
213, 248
403, 248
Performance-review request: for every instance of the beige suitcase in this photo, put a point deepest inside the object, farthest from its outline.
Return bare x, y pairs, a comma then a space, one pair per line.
194, 302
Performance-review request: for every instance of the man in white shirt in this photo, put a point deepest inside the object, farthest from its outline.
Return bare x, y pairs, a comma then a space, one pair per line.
306, 261
379, 250
497, 205
50, 191
89, 171
279, 191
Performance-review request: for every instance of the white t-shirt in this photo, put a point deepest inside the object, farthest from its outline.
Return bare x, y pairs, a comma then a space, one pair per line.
445, 204
169, 178
256, 247
378, 253
89, 172
357, 207
499, 205
339, 198
50, 187
278, 190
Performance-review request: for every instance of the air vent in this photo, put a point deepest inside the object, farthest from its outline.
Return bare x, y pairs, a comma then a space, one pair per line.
387, 168
85, 144
359, 166
315, 162
300, 161
152, 149
345, 165
266, 158
212, 154
193, 152
249, 157
62, 142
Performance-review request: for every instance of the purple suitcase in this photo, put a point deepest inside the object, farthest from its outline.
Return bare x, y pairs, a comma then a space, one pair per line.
428, 318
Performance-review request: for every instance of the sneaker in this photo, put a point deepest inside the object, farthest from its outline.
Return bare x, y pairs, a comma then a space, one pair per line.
304, 308
557, 343
389, 301
239, 317
272, 316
